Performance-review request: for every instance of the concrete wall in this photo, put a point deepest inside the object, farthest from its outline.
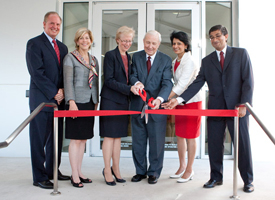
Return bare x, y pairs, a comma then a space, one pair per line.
20, 21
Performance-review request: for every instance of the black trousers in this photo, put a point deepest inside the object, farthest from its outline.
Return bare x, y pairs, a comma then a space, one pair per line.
216, 135
42, 145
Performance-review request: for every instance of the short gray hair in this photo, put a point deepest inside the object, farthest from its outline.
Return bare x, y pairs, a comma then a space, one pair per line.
153, 32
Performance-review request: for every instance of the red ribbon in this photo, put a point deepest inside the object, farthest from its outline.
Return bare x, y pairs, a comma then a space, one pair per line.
189, 112
194, 112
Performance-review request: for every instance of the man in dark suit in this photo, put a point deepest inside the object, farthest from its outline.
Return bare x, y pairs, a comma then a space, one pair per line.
228, 73
45, 61
157, 83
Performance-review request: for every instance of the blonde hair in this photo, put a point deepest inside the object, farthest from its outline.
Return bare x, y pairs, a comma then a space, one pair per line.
125, 30
79, 33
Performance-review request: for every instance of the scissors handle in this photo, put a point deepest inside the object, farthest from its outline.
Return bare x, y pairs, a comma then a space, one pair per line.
142, 94
150, 102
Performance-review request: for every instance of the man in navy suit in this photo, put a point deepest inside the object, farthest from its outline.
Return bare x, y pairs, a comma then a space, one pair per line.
46, 85
229, 76
157, 84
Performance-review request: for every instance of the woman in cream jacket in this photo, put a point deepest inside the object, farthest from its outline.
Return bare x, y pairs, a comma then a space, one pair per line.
187, 128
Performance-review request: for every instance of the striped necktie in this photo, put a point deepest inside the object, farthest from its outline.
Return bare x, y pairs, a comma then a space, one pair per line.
56, 51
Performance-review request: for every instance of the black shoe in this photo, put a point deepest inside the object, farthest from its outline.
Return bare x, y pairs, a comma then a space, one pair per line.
119, 180
112, 183
61, 177
78, 185
212, 183
138, 178
85, 180
44, 184
248, 188
152, 180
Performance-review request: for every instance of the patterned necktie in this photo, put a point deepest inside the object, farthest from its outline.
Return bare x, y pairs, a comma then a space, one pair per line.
56, 51
221, 59
148, 64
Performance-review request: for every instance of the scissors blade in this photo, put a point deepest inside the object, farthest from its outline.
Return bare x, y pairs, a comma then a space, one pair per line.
146, 114
143, 111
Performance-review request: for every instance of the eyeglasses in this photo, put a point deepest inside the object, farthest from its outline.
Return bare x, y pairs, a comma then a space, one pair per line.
126, 41
213, 37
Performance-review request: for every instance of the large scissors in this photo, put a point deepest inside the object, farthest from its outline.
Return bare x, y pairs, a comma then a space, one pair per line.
143, 96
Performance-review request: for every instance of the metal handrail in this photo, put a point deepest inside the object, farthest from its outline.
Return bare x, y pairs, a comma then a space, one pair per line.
249, 108
236, 144
25, 123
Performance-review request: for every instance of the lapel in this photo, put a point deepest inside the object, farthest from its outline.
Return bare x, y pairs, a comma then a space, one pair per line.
215, 61
51, 49
229, 53
143, 65
154, 67
119, 58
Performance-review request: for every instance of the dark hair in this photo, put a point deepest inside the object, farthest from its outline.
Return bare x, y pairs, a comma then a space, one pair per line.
183, 37
218, 27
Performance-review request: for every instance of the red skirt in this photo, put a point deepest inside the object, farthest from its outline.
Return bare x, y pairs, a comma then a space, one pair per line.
188, 126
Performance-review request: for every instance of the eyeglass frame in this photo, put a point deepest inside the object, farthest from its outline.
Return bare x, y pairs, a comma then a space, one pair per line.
217, 37
127, 41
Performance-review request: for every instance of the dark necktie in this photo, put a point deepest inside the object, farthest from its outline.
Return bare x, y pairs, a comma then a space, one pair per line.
221, 59
148, 64
56, 51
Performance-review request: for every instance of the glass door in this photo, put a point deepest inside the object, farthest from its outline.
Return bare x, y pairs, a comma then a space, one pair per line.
166, 18
107, 18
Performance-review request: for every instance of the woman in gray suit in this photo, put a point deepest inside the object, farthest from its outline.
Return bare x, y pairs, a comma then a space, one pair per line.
81, 93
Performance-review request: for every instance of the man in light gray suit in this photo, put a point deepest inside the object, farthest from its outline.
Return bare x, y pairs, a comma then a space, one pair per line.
156, 81
229, 76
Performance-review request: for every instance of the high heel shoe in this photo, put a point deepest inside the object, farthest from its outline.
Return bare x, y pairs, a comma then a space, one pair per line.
183, 180
78, 185
119, 180
177, 175
112, 183
85, 180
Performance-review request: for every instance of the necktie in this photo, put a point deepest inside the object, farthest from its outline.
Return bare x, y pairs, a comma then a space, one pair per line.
56, 51
148, 64
221, 59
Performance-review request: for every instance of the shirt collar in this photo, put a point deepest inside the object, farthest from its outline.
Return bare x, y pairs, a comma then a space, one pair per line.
152, 57
224, 51
49, 38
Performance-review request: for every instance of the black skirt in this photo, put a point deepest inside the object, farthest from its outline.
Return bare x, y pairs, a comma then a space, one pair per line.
80, 128
113, 126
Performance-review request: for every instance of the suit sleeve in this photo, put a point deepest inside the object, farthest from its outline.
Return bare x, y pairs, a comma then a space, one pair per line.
166, 83
37, 70
68, 73
197, 84
247, 79
133, 75
109, 75
95, 83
